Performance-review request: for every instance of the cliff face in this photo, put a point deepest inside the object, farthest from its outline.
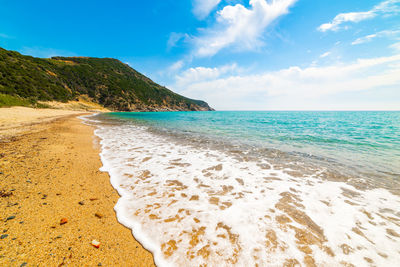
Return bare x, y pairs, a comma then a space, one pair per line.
106, 81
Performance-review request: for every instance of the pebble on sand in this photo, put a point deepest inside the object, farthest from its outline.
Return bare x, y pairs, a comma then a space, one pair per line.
95, 243
99, 215
5, 194
63, 221
10, 218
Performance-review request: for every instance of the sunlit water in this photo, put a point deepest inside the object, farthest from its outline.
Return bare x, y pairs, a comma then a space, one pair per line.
257, 188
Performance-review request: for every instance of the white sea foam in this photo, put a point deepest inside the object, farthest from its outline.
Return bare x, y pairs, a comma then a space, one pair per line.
192, 206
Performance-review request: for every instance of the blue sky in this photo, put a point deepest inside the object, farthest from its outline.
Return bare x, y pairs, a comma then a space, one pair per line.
240, 55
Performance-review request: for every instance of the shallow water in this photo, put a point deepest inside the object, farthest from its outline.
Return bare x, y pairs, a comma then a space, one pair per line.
266, 188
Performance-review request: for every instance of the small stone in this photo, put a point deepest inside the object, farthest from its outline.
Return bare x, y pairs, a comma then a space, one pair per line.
21, 222
23, 264
10, 218
81, 203
93, 199
63, 221
95, 243
29, 181
99, 264
4, 194
5, 230
3, 236
99, 215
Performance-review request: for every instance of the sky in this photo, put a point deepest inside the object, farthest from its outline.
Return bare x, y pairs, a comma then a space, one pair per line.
234, 54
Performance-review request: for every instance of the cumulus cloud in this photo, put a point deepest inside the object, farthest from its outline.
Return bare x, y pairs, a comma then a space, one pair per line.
385, 7
294, 87
202, 8
201, 74
380, 34
240, 27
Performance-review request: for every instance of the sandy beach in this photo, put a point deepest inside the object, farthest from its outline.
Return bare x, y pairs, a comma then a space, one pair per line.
49, 172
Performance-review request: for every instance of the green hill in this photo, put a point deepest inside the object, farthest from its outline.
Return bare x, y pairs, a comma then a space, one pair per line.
105, 81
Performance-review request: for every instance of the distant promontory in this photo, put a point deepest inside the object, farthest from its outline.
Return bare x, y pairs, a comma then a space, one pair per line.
105, 81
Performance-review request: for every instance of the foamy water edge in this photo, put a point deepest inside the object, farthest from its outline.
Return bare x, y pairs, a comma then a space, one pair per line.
284, 225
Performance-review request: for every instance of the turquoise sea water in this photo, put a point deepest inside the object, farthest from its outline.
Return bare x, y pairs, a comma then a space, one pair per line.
362, 144
257, 188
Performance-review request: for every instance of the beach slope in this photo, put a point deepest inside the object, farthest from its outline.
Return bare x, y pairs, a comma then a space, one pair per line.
49, 173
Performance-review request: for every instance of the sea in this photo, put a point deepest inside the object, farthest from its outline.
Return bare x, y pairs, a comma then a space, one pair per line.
257, 188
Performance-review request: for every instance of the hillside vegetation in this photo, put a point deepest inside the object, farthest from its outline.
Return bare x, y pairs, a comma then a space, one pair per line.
105, 81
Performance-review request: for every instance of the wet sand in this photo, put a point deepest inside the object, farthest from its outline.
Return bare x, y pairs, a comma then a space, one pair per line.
51, 172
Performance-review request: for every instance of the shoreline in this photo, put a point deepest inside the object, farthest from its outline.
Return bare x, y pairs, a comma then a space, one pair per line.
214, 204
49, 170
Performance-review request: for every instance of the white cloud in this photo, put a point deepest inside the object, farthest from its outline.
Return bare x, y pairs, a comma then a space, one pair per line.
396, 46
388, 6
240, 27
291, 88
385, 7
346, 17
202, 74
364, 39
176, 66
380, 34
202, 8
325, 54
174, 38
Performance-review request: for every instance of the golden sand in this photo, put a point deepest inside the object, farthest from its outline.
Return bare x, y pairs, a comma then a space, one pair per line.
51, 173
17, 120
